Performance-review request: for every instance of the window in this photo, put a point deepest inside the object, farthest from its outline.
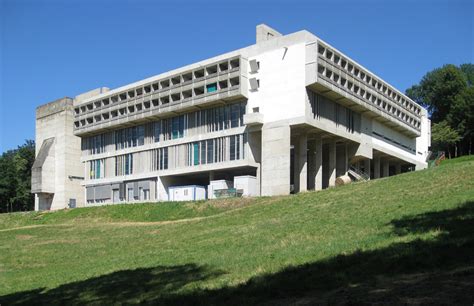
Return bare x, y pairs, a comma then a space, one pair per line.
211, 87
196, 153
177, 127
128, 164
157, 130
210, 151
130, 137
96, 169
163, 156
232, 147
141, 135
234, 115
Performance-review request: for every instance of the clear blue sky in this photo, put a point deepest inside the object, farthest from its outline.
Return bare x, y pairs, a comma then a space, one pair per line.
51, 49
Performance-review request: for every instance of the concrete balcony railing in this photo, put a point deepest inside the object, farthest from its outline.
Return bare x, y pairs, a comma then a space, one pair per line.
342, 79
253, 119
215, 83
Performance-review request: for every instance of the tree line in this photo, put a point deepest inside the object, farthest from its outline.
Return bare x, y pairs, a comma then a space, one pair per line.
15, 178
448, 94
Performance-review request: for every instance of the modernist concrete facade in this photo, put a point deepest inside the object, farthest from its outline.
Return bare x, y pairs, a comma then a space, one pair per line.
291, 112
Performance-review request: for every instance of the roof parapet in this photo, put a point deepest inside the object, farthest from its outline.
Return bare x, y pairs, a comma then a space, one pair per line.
265, 32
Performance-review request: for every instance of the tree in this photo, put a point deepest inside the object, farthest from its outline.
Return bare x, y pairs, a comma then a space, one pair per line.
448, 94
438, 90
443, 136
15, 178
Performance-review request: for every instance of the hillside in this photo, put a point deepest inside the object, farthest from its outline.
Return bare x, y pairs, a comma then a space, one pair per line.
404, 239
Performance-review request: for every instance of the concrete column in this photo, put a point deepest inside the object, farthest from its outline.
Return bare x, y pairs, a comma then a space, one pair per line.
385, 168
162, 189
259, 179
303, 162
376, 167
398, 168
367, 166
332, 163
346, 158
276, 159
318, 179
311, 164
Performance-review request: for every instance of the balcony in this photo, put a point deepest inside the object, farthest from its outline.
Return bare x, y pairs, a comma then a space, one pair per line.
348, 83
216, 83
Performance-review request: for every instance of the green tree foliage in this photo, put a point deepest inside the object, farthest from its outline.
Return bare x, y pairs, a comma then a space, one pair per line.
15, 178
443, 136
448, 93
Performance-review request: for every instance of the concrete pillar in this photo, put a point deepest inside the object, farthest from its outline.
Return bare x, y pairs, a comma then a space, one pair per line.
275, 164
303, 162
332, 163
376, 167
346, 158
162, 189
385, 168
318, 179
259, 179
398, 168
311, 164
367, 166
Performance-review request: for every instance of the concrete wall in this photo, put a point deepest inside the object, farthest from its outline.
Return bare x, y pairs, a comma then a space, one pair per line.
282, 77
55, 120
276, 159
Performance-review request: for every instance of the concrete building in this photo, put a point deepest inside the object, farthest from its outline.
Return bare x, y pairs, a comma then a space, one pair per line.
288, 114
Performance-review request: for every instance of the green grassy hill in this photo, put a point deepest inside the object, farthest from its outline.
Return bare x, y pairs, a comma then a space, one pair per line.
407, 239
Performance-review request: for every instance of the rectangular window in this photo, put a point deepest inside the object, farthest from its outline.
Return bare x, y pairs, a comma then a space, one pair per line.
196, 153
210, 151
157, 130
96, 169
165, 158
211, 87
128, 164
232, 147
234, 116
237, 146
177, 127
141, 135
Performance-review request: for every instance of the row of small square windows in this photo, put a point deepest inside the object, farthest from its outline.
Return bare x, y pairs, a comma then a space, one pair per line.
368, 79
166, 84
334, 77
154, 103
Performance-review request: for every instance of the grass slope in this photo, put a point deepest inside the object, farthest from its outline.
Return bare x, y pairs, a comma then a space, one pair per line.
405, 239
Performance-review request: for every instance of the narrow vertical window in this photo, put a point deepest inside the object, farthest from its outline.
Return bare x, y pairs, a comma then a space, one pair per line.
196, 153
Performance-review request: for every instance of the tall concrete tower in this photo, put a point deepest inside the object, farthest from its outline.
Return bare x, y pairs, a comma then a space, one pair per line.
57, 172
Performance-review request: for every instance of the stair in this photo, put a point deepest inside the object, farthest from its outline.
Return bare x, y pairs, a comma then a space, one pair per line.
358, 174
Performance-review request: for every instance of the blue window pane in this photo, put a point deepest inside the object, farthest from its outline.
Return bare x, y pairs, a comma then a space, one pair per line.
196, 153
211, 87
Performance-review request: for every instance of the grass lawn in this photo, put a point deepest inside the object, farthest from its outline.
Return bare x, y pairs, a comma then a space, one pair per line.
407, 239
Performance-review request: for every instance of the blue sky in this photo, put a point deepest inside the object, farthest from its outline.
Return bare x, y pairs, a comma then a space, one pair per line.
51, 49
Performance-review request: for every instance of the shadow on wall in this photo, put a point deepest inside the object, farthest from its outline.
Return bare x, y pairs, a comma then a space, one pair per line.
437, 271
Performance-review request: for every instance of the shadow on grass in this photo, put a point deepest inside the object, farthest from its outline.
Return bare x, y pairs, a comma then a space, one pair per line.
436, 271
